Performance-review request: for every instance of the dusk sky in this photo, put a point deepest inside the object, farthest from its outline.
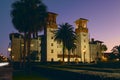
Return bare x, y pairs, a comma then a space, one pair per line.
103, 16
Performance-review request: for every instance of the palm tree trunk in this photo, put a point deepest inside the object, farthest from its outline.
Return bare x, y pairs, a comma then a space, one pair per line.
29, 55
36, 33
63, 53
20, 54
68, 56
45, 44
28, 45
33, 34
24, 50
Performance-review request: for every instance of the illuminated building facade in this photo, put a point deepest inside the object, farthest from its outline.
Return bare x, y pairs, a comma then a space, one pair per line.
95, 50
82, 40
17, 45
50, 50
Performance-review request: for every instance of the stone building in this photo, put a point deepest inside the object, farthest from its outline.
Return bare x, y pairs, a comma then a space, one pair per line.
49, 50
95, 50
82, 40
17, 47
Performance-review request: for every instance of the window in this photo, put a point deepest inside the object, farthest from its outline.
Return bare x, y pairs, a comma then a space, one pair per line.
84, 46
58, 42
84, 40
52, 51
51, 44
52, 37
84, 53
52, 59
84, 34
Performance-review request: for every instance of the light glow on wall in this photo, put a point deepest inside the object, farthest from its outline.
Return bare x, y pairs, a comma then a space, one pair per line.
4, 64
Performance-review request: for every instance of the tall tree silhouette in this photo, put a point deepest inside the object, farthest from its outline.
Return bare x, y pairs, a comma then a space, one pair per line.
66, 36
28, 17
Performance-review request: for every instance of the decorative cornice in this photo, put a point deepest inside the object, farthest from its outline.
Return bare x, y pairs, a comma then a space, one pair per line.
52, 26
81, 30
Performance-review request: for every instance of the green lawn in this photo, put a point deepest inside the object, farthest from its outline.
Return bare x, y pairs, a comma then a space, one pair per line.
24, 76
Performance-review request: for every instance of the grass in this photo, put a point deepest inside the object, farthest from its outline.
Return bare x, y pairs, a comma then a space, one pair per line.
20, 75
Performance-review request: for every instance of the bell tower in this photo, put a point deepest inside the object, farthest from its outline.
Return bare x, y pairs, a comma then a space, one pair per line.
82, 40
51, 20
51, 45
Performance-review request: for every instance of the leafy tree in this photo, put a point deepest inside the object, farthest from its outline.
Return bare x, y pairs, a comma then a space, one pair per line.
104, 47
66, 36
28, 17
116, 51
112, 56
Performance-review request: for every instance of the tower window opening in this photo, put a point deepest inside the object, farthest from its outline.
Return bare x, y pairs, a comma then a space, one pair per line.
84, 40
52, 51
52, 37
84, 46
51, 44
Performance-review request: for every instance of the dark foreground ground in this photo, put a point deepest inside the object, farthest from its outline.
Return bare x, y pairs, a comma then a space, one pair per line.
51, 72
21, 75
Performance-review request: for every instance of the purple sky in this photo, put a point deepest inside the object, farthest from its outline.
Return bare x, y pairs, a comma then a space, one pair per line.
103, 16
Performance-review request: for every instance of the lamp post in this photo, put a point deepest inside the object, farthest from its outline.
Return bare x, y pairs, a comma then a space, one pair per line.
9, 50
10, 55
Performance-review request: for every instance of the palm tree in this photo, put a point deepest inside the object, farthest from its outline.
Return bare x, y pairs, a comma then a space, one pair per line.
70, 42
71, 46
18, 21
66, 36
28, 16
